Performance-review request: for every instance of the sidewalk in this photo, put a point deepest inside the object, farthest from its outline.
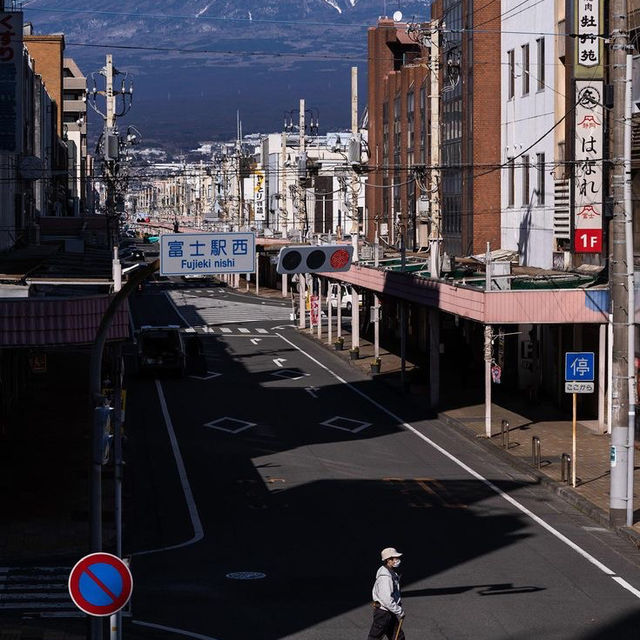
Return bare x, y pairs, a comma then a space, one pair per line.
591, 495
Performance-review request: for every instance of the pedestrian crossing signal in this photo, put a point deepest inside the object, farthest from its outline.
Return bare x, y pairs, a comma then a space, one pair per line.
310, 259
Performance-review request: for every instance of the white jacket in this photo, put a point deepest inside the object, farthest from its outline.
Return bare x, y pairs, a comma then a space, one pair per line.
386, 591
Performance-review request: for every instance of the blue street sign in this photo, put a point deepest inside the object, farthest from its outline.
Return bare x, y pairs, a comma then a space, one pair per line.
579, 366
207, 253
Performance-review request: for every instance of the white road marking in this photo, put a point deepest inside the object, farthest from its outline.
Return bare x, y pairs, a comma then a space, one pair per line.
242, 330
279, 361
261, 331
560, 536
256, 340
182, 632
225, 330
312, 391
198, 532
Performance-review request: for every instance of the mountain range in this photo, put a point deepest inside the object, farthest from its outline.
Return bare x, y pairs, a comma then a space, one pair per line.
196, 62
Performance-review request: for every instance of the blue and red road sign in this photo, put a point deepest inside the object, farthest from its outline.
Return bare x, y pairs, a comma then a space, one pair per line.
100, 584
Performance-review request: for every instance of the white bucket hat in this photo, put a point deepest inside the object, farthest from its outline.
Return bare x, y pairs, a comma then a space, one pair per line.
389, 552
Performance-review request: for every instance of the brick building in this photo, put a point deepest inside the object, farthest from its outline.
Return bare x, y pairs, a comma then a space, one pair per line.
470, 124
398, 133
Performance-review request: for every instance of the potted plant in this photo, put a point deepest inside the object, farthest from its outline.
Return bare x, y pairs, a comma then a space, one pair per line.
375, 365
339, 343
354, 353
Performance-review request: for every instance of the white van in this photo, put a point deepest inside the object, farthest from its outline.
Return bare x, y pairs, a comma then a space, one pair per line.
345, 293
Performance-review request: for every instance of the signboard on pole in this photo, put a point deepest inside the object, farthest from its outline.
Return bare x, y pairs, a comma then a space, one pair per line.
11, 72
315, 310
258, 193
579, 372
207, 253
100, 584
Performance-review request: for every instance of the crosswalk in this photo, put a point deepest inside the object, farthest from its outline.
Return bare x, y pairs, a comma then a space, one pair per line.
229, 331
204, 311
36, 592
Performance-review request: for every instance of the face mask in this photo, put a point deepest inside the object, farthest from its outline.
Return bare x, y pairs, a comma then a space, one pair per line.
396, 563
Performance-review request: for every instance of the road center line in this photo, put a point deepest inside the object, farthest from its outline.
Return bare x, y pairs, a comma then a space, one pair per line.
198, 532
560, 536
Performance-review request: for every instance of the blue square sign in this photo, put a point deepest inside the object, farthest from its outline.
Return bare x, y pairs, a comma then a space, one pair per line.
579, 366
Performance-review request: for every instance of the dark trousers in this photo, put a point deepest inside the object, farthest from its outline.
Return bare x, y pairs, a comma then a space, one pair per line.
384, 624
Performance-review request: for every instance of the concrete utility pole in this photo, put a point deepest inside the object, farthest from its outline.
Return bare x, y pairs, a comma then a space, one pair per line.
283, 213
355, 221
435, 237
302, 199
622, 411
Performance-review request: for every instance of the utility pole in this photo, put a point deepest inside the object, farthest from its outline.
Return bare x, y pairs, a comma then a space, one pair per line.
302, 173
622, 411
355, 220
284, 214
435, 237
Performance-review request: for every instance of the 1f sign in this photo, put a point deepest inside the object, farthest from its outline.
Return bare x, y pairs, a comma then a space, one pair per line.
588, 241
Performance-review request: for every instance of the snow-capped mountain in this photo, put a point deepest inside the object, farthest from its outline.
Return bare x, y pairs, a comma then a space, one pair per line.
258, 57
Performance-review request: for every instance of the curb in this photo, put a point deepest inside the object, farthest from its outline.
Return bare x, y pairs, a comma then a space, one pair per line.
598, 515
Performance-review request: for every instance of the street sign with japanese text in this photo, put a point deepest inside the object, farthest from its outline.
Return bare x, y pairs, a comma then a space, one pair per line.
207, 253
579, 366
579, 387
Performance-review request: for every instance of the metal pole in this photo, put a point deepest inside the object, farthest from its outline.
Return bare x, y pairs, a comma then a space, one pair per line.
619, 269
339, 311
631, 331
403, 343
285, 279
283, 187
111, 118
376, 327
574, 443
301, 298
319, 308
355, 218
329, 314
257, 273
488, 347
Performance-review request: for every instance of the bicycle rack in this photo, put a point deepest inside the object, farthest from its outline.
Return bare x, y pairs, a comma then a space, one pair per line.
504, 431
565, 468
535, 452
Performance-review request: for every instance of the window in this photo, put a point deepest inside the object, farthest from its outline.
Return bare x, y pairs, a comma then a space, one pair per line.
526, 165
525, 69
410, 128
540, 187
423, 124
540, 43
511, 182
512, 73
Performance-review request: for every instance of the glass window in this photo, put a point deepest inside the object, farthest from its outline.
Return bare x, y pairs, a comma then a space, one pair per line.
511, 62
540, 43
511, 182
525, 69
526, 165
540, 187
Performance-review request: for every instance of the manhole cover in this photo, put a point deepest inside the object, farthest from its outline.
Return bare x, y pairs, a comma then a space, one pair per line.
246, 575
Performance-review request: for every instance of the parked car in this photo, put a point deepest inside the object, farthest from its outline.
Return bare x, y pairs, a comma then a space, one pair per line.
161, 350
345, 301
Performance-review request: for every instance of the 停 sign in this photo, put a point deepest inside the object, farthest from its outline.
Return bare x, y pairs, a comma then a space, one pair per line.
207, 253
588, 171
579, 366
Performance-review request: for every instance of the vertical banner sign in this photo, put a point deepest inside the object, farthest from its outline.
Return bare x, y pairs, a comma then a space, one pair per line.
258, 192
588, 195
11, 82
588, 179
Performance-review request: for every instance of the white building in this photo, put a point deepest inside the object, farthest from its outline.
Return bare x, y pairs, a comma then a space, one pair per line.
529, 82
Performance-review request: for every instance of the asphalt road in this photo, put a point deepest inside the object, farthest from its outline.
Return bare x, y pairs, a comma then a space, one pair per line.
282, 464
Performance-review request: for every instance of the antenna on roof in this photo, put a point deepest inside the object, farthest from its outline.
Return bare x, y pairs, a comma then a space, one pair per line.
397, 16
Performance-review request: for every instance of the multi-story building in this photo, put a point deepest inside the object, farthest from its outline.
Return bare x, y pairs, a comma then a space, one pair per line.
398, 130
74, 125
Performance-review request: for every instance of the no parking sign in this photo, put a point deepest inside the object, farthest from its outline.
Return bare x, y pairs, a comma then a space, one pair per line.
100, 584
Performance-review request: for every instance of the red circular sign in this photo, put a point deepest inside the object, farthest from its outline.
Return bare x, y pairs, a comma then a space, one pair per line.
100, 584
339, 258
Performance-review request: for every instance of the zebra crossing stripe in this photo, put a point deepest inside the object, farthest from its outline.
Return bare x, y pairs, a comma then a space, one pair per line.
261, 331
243, 330
225, 330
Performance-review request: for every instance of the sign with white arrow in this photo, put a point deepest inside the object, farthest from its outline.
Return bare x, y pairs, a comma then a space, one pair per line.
279, 361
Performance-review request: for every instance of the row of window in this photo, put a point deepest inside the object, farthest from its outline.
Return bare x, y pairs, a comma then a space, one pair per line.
540, 174
525, 68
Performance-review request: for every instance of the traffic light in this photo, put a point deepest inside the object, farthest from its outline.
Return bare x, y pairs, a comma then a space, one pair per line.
306, 259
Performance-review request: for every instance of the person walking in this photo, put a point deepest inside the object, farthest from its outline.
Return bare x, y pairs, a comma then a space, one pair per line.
388, 613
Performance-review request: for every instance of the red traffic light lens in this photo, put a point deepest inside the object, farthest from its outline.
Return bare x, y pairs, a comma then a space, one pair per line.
339, 258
